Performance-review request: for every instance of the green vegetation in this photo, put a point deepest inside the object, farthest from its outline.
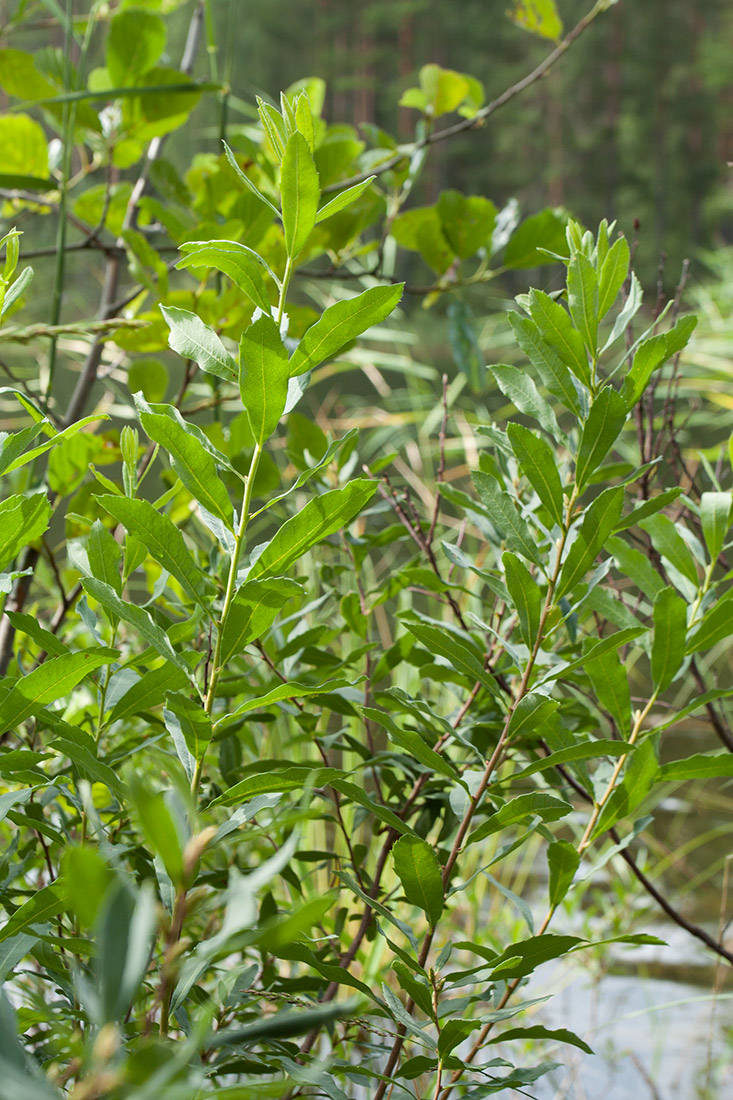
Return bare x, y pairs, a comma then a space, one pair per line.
286, 704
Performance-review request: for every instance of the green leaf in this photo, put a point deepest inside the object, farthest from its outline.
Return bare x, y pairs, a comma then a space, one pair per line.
322, 516
28, 625
458, 655
563, 861
648, 508
649, 355
153, 634
159, 828
613, 641
467, 221
503, 514
87, 877
263, 376
380, 811
715, 510
716, 626
22, 519
252, 612
537, 16
611, 687
50, 681
189, 720
613, 274
583, 300
341, 323
148, 692
531, 241
192, 339
522, 392
529, 714
453, 1033
191, 462
134, 42
539, 465
105, 556
25, 152
412, 742
464, 344
13, 445
670, 629
288, 779
416, 866
555, 375
525, 595
545, 806
599, 521
586, 750
47, 902
291, 689
159, 535
19, 76
240, 263
605, 420
444, 89
275, 1028
421, 230
248, 182
56, 439
301, 192
520, 959
344, 199
669, 543
555, 1035
639, 778
701, 765
557, 330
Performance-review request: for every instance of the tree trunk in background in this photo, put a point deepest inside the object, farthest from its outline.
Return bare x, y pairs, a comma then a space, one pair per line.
406, 44
364, 74
613, 71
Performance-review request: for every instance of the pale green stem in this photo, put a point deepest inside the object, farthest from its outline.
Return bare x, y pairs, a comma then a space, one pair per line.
229, 597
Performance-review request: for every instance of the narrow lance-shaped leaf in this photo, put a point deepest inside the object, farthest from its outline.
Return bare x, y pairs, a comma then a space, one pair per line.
153, 634
105, 556
556, 328
600, 519
583, 299
545, 806
600, 431
613, 274
503, 514
263, 376
192, 463
522, 392
346, 198
193, 339
611, 687
240, 263
417, 868
157, 532
322, 516
670, 629
555, 374
342, 322
192, 721
649, 355
253, 611
716, 626
525, 596
301, 191
22, 519
48, 682
715, 510
539, 466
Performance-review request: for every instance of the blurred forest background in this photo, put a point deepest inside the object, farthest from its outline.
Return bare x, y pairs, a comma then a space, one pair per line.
635, 123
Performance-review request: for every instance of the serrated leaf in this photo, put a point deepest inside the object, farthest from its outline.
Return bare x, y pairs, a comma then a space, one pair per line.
555, 374
503, 514
522, 392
